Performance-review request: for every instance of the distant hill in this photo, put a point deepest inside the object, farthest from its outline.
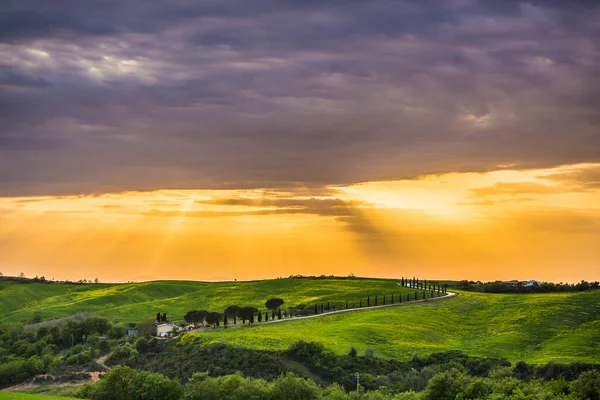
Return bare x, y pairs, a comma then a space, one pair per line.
134, 302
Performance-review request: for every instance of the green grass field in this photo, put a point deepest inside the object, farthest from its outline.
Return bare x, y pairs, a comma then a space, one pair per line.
536, 328
138, 301
25, 396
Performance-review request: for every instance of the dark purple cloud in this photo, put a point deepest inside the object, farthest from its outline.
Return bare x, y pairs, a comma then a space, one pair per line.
111, 95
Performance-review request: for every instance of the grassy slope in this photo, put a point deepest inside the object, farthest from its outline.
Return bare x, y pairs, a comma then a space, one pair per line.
536, 328
139, 301
25, 396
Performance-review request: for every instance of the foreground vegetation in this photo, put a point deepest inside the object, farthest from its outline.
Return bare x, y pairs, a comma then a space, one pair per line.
135, 302
559, 327
26, 396
446, 382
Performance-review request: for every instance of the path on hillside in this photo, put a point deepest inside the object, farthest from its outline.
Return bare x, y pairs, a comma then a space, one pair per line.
445, 296
326, 313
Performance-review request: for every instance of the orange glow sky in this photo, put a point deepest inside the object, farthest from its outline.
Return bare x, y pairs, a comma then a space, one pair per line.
503, 224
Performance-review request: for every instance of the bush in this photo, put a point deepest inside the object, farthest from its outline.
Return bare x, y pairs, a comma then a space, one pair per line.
291, 387
587, 386
150, 386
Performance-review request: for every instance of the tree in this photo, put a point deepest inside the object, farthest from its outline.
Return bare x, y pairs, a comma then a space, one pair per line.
375, 300
158, 317
368, 301
146, 328
392, 299
274, 303
259, 316
587, 386
151, 386
21, 275
96, 281
266, 316
316, 309
116, 384
346, 304
232, 310
279, 313
164, 317
446, 385
195, 316
95, 325
213, 318
225, 322
142, 345
247, 313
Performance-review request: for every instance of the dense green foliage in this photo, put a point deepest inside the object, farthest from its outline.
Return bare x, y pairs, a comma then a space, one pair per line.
135, 302
559, 327
307, 371
67, 351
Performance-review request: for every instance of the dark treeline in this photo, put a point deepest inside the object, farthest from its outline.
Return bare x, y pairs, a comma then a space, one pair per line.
43, 279
524, 287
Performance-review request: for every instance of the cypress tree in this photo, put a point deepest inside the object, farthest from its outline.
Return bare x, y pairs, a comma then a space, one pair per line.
402, 281
279, 313
425, 283
368, 301
316, 310
266, 316
432, 293
415, 295
375, 300
392, 299
260, 316
384, 299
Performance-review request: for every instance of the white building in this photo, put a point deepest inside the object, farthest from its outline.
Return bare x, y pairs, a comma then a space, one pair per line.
165, 330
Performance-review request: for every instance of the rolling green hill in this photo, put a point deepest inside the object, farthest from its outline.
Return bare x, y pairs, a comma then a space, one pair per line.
138, 301
536, 328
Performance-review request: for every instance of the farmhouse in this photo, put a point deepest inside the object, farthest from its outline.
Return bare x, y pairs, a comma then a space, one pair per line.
165, 330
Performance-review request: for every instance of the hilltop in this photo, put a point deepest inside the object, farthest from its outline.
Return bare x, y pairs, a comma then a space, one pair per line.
134, 302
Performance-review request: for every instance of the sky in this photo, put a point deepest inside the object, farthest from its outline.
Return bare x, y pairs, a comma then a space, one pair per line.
217, 140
